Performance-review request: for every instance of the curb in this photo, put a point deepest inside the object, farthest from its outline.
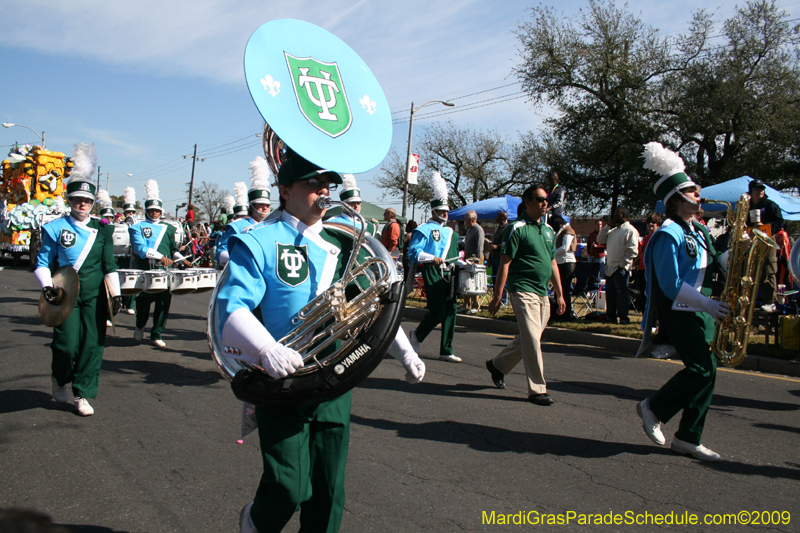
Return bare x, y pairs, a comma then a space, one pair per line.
622, 345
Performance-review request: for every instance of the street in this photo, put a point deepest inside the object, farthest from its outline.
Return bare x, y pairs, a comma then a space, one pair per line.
450, 454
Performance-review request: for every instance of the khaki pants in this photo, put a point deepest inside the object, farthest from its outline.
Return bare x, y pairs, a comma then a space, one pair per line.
533, 312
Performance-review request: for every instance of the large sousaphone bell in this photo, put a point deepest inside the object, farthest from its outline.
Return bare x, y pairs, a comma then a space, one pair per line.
320, 101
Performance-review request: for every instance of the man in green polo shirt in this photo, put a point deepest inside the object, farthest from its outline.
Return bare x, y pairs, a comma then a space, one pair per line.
528, 264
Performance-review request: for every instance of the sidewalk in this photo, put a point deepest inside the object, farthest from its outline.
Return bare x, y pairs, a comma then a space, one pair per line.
621, 345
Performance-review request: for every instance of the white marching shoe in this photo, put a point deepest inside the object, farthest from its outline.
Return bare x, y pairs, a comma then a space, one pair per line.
158, 343
83, 407
61, 394
245, 524
651, 424
698, 452
450, 358
138, 334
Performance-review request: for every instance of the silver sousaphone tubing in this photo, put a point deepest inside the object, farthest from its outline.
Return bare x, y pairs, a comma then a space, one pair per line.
342, 334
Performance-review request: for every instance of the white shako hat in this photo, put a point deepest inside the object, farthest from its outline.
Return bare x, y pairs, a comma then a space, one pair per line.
105, 203
84, 161
350, 191
259, 181
439, 186
129, 204
152, 201
240, 191
670, 167
230, 202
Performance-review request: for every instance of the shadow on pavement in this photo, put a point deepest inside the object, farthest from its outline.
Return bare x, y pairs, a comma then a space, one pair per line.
164, 373
491, 439
12, 401
460, 390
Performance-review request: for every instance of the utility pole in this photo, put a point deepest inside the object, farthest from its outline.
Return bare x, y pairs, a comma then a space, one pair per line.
98, 178
191, 183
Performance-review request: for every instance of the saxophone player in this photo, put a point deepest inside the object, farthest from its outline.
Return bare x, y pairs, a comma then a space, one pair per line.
679, 259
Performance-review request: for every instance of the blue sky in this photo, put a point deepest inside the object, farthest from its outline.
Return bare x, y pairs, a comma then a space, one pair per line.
145, 80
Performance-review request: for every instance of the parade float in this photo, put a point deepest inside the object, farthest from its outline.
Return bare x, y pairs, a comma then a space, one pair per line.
31, 193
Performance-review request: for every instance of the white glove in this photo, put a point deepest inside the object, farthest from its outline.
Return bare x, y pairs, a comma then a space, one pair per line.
280, 361
415, 368
718, 310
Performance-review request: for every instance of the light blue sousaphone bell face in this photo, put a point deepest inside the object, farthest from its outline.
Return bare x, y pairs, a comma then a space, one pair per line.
318, 96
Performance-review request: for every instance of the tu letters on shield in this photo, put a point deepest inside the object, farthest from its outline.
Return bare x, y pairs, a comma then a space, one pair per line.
292, 264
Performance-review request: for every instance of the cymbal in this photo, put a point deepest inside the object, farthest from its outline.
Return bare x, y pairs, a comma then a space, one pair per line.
53, 315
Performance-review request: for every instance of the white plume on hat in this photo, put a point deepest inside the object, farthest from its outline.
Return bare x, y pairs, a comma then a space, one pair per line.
261, 175
60, 207
240, 190
151, 190
103, 199
84, 162
130, 195
662, 160
229, 203
349, 182
439, 187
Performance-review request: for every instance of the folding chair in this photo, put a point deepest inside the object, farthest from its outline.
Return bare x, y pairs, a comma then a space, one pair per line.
585, 288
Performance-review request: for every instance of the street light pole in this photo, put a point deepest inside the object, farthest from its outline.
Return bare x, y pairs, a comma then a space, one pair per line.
10, 124
114, 174
408, 152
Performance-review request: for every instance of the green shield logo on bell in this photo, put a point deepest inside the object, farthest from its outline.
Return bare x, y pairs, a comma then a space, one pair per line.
292, 264
320, 94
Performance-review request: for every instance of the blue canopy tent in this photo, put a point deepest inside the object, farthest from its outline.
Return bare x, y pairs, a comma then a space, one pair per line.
730, 191
488, 209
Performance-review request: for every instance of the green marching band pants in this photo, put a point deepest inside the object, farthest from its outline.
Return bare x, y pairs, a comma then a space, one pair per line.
78, 344
441, 309
305, 453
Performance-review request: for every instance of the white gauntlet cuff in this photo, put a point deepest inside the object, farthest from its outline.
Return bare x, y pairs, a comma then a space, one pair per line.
43, 276
112, 281
689, 299
245, 338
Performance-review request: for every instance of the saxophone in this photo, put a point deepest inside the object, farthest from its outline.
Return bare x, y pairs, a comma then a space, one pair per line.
745, 260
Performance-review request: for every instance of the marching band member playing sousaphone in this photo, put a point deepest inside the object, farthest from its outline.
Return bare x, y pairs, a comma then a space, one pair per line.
259, 199
679, 259
434, 246
153, 247
83, 244
300, 77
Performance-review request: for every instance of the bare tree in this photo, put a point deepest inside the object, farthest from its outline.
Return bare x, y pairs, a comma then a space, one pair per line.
476, 164
208, 200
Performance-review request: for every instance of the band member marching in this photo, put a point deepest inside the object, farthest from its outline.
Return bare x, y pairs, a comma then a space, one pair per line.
84, 244
352, 195
259, 199
153, 247
280, 265
679, 260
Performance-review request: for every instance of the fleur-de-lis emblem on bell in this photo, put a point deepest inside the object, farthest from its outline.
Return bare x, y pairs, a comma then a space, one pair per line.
271, 85
368, 104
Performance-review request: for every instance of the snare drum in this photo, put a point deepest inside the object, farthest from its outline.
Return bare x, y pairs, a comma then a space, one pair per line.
472, 280
130, 281
121, 239
206, 279
156, 280
183, 281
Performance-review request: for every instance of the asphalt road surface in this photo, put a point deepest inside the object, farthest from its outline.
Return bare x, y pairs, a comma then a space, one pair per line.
451, 454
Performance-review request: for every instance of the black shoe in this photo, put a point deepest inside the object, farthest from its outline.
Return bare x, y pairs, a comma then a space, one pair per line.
624, 320
497, 377
541, 399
